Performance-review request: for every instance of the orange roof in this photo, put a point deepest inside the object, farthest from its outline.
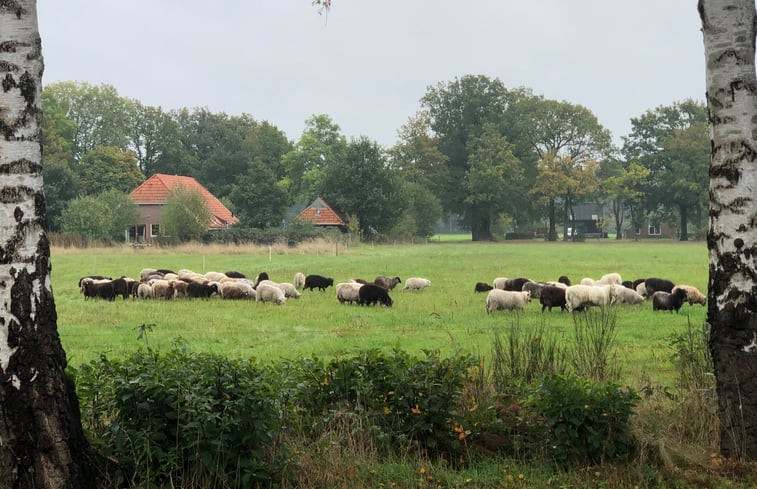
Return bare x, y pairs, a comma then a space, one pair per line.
320, 214
155, 189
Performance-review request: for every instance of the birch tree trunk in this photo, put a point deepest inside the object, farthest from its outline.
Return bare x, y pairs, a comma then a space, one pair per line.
41, 440
728, 28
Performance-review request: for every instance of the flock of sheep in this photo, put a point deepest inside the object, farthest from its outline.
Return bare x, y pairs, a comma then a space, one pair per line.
167, 284
514, 294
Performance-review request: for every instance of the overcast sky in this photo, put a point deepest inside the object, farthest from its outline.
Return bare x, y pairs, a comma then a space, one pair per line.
367, 63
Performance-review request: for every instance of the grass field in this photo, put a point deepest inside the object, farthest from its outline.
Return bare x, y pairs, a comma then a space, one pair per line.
447, 316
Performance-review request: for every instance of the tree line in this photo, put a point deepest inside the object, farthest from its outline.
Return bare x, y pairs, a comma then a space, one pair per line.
496, 158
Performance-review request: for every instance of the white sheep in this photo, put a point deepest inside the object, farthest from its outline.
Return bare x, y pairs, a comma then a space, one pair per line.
237, 290
179, 288
416, 283
348, 292
270, 293
624, 295
587, 281
500, 283
588, 295
610, 279
289, 290
558, 284
161, 289
641, 289
506, 300
214, 276
299, 280
144, 291
145, 273
693, 296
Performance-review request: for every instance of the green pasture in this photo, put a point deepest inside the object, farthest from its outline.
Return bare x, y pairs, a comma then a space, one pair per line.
448, 316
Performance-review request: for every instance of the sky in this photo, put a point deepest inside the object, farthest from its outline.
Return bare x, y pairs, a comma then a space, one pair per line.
367, 64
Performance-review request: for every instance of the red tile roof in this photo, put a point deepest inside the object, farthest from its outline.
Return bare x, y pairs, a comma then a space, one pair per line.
155, 189
320, 214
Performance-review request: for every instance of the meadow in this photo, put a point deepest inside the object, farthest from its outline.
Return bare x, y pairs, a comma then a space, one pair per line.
448, 316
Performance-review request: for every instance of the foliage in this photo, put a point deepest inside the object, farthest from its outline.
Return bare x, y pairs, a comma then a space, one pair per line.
595, 352
258, 200
107, 168
422, 214
60, 188
106, 215
588, 419
185, 215
292, 234
156, 417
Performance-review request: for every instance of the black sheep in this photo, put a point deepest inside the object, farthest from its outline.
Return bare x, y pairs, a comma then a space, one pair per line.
319, 282
637, 282
658, 284
388, 283
370, 294
234, 274
201, 290
516, 284
93, 277
564, 280
482, 287
103, 290
552, 296
629, 285
665, 301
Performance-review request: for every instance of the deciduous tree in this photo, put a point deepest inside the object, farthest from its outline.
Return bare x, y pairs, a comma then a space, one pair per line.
185, 215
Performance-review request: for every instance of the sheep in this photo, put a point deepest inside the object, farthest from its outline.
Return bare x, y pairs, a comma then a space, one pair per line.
214, 276
534, 288
635, 283
261, 276
587, 281
629, 285
500, 282
665, 301
610, 279
516, 284
92, 277
145, 274
171, 276
237, 290
203, 291
388, 283
563, 279
506, 300
416, 283
370, 294
299, 280
234, 274
270, 293
89, 280
655, 284
180, 288
289, 290
318, 281
482, 287
558, 284
693, 296
161, 289
624, 295
144, 291
577, 296
641, 289
103, 289
348, 292
553, 296
190, 276
122, 285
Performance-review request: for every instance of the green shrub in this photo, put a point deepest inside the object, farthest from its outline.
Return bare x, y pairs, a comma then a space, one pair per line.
588, 420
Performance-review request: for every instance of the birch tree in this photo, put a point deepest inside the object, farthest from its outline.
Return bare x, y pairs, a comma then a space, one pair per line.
41, 440
728, 27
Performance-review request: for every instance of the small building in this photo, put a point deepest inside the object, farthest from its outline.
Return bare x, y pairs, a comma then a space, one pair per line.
587, 220
652, 229
151, 196
321, 215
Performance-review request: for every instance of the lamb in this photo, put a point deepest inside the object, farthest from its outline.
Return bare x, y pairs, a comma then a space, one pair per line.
665, 301
655, 284
144, 291
624, 295
318, 281
534, 288
577, 296
289, 290
237, 290
388, 283
348, 292
416, 283
270, 293
693, 296
370, 294
482, 287
299, 280
553, 296
506, 300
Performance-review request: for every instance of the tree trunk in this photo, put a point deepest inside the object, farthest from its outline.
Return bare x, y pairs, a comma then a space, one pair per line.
728, 27
41, 440
683, 210
617, 210
552, 234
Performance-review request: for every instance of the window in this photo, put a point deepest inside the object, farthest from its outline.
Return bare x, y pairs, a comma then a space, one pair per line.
154, 230
654, 230
638, 231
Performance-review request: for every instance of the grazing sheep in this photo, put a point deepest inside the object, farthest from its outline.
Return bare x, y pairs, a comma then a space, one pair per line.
624, 295
348, 292
237, 290
416, 283
665, 301
693, 296
516, 284
482, 287
388, 283
289, 290
100, 289
270, 293
534, 288
587, 281
203, 291
144, 291
164, 271
161, 289
610, 279
635, 283
145, 274
506, 300
122, 286
190, 276
234, 274
370, 294
577, 296
89, 280
299, 280
641, 289
563, 279
92, 277
214, 276
261, 276
500, 282
553, 296
629, 285
180, 288
655, 284
558, 284
318, 282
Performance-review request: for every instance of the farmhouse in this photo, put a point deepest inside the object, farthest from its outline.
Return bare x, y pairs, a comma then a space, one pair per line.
587, 220
321, 215
151, 196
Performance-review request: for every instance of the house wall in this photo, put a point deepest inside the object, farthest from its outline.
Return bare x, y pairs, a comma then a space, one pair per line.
149, 214
665, 231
